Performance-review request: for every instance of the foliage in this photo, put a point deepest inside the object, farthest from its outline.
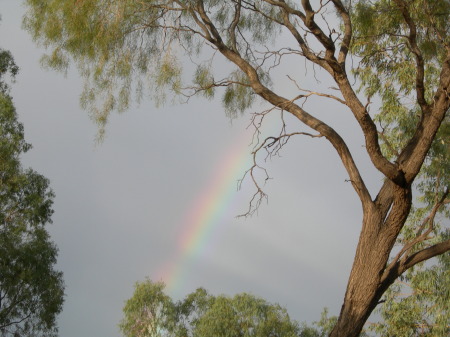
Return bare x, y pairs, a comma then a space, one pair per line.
387, 72
150, 312
118, 44
7, 67
31, 291
417, 304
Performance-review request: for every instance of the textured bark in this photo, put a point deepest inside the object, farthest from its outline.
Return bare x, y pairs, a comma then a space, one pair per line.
377, 238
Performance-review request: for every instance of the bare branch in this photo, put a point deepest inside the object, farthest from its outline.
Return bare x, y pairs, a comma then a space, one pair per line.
310, 93
259, 196
272, 145
194, 90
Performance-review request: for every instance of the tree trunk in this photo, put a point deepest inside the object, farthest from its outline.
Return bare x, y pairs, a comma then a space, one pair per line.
365, 285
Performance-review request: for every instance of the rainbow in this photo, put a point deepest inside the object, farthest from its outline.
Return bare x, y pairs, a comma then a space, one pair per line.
204, 217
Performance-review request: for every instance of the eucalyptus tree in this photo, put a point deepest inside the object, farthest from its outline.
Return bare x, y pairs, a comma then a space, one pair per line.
389, 62
31, 290
151, 313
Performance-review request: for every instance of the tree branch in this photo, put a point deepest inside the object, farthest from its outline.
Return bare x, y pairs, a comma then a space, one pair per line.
395, 270
420, 68
285, 104
412, 156
348, 32
303, 45
425, 254
310, 93
233, 25
208, 23
369, 129
331, 65
420, 237
325, 40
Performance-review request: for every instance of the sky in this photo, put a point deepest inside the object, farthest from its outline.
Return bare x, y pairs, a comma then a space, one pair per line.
158, 198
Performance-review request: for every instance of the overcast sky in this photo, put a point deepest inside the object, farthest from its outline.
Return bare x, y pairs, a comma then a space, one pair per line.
122, 206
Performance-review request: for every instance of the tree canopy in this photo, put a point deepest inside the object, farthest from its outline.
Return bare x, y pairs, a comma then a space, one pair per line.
31, 290
151, 313
389, 65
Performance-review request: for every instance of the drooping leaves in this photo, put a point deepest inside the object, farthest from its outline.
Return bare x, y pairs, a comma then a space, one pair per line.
122, 47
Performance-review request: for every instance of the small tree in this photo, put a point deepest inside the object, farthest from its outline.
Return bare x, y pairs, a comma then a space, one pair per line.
396, 86
31, 291
149, 312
